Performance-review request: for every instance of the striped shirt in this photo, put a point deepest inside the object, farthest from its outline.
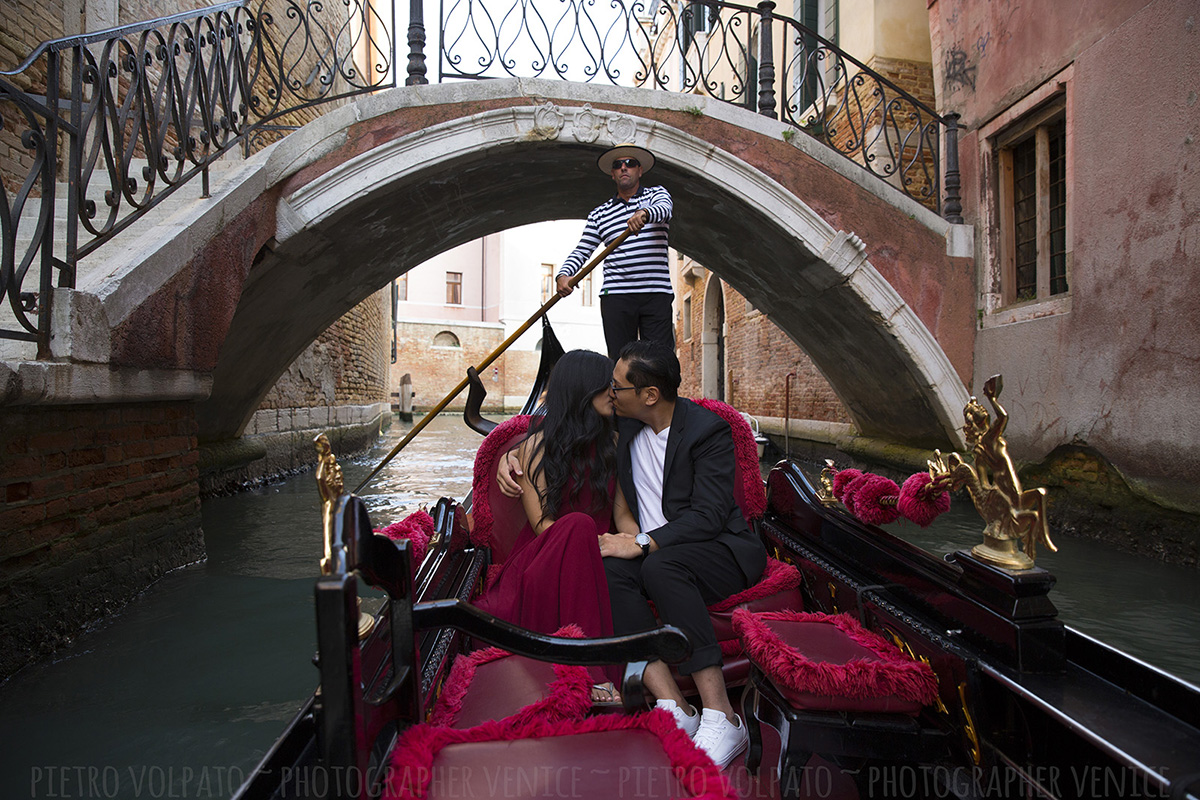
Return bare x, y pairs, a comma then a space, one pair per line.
640, 263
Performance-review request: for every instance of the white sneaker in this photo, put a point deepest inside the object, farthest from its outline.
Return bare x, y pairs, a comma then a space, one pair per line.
688, 723
720, 738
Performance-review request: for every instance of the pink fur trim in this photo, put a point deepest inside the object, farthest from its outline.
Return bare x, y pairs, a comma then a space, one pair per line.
417, 527
841, 478
569, 695
867, 505
916, 504
893, 674
500, 440
412, 760
851, 493
753, 495
730, 647
777, 577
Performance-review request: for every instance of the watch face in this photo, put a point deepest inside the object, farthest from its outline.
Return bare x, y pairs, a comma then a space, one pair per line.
642, 539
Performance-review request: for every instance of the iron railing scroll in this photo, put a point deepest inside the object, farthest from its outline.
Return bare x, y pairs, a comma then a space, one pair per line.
749, 56
124, 117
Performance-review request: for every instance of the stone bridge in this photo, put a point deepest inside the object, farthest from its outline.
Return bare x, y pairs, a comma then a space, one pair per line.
173, 336
876, 288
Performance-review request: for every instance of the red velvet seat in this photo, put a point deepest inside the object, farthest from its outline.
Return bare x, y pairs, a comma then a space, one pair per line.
492, 684
831, 687
644, 755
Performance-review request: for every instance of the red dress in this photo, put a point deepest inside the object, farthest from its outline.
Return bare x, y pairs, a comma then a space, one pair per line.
557, 578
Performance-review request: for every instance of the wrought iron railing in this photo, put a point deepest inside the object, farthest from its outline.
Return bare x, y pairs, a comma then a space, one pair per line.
744, 55
124, 117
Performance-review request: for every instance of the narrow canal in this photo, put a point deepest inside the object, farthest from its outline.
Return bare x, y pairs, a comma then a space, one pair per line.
181, 693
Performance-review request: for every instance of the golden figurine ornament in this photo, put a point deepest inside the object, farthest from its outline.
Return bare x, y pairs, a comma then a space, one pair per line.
1015, 518
330, 485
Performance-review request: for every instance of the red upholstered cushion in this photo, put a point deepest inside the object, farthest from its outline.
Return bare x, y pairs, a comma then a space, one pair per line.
778, 589
497, 518
491, 684
826, 662
598, 757
748, 489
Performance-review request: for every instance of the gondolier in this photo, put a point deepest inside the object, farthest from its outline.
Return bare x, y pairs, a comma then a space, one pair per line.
635, 301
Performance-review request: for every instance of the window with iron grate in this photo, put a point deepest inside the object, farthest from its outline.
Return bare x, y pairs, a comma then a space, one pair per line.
1033, 208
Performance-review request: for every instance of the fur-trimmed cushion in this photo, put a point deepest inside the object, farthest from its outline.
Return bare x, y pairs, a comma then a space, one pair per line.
417, 527
749, 491
831, 662
494, 684
596, 757
497, 519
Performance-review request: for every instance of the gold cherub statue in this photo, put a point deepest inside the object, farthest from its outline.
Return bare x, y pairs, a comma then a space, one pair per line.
1013, 516
330, 485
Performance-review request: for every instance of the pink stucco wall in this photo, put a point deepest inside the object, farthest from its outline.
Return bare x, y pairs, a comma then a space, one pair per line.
1118, 369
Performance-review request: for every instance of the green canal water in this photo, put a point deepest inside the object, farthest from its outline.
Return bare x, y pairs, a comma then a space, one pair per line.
181, 693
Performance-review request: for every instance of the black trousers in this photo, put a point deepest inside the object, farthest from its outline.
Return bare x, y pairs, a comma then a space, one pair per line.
682, 580
629, 317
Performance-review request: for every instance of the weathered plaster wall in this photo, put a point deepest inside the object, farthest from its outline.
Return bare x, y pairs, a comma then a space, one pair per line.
1117, 370
896, 29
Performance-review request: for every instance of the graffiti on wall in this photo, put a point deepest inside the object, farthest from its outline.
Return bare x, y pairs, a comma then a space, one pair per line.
959, 70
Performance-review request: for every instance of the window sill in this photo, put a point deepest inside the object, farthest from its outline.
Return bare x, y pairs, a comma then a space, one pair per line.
1026, 311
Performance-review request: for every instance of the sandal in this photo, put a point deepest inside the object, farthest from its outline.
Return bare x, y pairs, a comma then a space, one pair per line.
605, 694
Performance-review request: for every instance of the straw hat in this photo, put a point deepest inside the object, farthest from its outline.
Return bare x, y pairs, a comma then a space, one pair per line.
644, 157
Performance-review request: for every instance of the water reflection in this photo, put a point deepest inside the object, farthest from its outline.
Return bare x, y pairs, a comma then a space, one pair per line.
186, 688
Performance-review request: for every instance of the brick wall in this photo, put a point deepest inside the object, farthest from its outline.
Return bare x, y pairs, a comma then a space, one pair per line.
758, 357
347, 364
95, 503
436, 370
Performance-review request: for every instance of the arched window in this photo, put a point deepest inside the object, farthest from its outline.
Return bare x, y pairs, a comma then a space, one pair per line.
446, 339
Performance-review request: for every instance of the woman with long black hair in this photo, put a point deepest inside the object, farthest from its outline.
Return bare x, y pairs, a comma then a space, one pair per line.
554, 574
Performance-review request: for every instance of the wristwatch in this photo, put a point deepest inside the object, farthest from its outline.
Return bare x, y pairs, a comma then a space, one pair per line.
643, 540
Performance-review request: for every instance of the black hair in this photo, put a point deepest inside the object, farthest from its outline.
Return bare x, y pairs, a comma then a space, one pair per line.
652, 364
577, 445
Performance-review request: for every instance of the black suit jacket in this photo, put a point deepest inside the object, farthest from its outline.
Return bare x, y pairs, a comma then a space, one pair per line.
698, 476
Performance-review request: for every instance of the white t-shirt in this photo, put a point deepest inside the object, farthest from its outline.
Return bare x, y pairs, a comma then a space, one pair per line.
649, 453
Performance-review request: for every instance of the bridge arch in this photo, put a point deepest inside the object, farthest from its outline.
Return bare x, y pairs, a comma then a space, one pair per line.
371, 190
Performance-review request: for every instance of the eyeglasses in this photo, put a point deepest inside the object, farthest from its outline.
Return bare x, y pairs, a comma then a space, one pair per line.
616, 388
626, 162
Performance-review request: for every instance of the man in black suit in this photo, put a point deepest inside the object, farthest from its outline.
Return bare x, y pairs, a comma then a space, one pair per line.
676, 470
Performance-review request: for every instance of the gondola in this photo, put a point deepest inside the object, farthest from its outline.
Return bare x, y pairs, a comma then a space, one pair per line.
1015, 703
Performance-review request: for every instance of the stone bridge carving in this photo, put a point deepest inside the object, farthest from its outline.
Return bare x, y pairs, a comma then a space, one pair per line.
877, 289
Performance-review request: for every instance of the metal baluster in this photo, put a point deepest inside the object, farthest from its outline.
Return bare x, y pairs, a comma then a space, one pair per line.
766, 62
952, 207
416, 44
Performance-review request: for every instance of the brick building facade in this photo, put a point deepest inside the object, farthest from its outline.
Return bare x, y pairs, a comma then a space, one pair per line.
98, 501
763, 372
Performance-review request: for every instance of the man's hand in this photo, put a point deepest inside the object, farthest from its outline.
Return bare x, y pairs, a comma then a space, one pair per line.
620, 545
508, 469
564, 285
638, 220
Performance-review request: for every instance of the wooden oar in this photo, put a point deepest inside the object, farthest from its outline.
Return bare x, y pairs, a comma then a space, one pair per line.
541, 312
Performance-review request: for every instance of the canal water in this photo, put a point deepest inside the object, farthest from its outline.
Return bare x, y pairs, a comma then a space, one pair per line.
182, 692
